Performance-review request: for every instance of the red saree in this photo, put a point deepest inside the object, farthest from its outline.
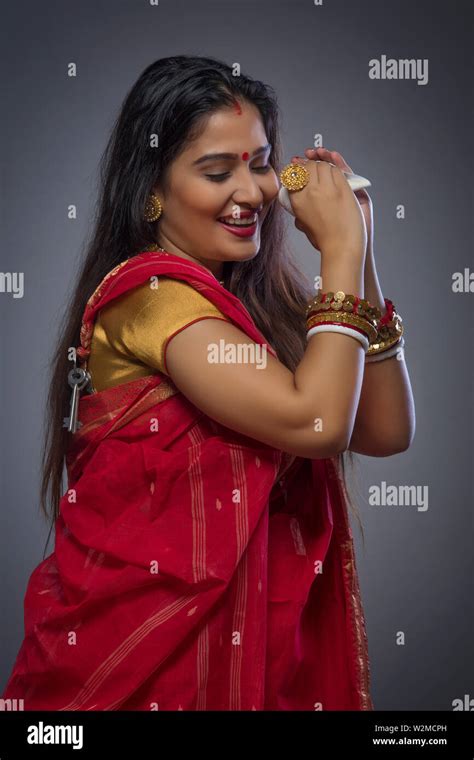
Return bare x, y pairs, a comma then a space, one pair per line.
185, 568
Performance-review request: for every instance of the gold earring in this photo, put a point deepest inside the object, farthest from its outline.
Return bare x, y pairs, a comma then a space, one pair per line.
153, 209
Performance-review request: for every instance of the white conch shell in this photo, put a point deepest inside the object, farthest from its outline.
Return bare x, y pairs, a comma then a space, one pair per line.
355, 181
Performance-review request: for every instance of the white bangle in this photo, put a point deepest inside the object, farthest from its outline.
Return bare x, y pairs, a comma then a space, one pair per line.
344, 329
387, 353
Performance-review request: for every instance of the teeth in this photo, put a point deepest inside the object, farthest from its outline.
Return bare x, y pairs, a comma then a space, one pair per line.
240, 222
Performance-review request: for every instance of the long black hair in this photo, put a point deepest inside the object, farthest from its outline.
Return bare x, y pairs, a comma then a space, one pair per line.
171, 99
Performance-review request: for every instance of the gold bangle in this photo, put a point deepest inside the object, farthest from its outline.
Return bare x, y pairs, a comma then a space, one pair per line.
341, 301
349, 319
381, 344
388, 334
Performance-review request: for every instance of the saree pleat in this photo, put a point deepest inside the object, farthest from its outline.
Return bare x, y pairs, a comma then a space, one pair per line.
194, 568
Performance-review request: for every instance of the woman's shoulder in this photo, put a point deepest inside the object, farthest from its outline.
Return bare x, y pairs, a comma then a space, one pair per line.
141, 321
162, 298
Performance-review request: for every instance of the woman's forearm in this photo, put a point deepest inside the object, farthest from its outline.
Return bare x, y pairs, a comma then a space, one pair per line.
329, 377
385, 420
372, 289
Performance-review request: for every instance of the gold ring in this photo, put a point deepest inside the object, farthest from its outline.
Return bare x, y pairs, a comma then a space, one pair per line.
294, 177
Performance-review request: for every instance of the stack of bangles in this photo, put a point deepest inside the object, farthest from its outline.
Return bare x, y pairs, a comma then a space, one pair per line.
381, 336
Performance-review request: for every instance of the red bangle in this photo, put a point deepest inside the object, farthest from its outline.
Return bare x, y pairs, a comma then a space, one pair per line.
387, 317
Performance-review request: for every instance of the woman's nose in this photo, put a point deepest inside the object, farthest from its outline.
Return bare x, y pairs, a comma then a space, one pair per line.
249, 190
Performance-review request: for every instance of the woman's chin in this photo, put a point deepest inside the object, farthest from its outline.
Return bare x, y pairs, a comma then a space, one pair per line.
243, 252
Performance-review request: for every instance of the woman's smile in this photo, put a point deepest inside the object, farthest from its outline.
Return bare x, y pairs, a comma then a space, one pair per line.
243, 231
244, 226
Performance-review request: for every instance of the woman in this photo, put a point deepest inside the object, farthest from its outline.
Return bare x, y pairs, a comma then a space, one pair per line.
203, 555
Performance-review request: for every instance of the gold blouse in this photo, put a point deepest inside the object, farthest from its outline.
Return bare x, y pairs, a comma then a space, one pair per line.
132, 332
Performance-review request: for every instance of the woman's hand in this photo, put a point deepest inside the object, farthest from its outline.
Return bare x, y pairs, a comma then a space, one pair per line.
365, 201
329, 215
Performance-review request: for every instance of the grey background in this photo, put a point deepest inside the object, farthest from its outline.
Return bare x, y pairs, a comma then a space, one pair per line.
410, 140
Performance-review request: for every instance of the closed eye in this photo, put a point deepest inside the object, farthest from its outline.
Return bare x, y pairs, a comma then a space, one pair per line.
224, 175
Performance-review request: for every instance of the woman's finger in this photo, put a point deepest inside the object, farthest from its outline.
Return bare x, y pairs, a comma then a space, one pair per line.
328, 155
338, 160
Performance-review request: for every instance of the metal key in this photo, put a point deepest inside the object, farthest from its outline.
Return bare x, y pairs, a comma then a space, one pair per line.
77, 379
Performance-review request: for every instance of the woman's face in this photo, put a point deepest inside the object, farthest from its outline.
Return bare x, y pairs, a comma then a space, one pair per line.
202, 190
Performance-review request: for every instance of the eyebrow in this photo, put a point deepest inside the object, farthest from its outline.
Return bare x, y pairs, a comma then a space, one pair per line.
232, 156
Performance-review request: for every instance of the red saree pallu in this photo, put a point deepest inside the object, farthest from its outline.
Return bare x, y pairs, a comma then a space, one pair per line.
194, 568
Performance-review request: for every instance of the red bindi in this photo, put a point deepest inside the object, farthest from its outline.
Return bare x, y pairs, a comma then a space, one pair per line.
237, 107
245, 156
